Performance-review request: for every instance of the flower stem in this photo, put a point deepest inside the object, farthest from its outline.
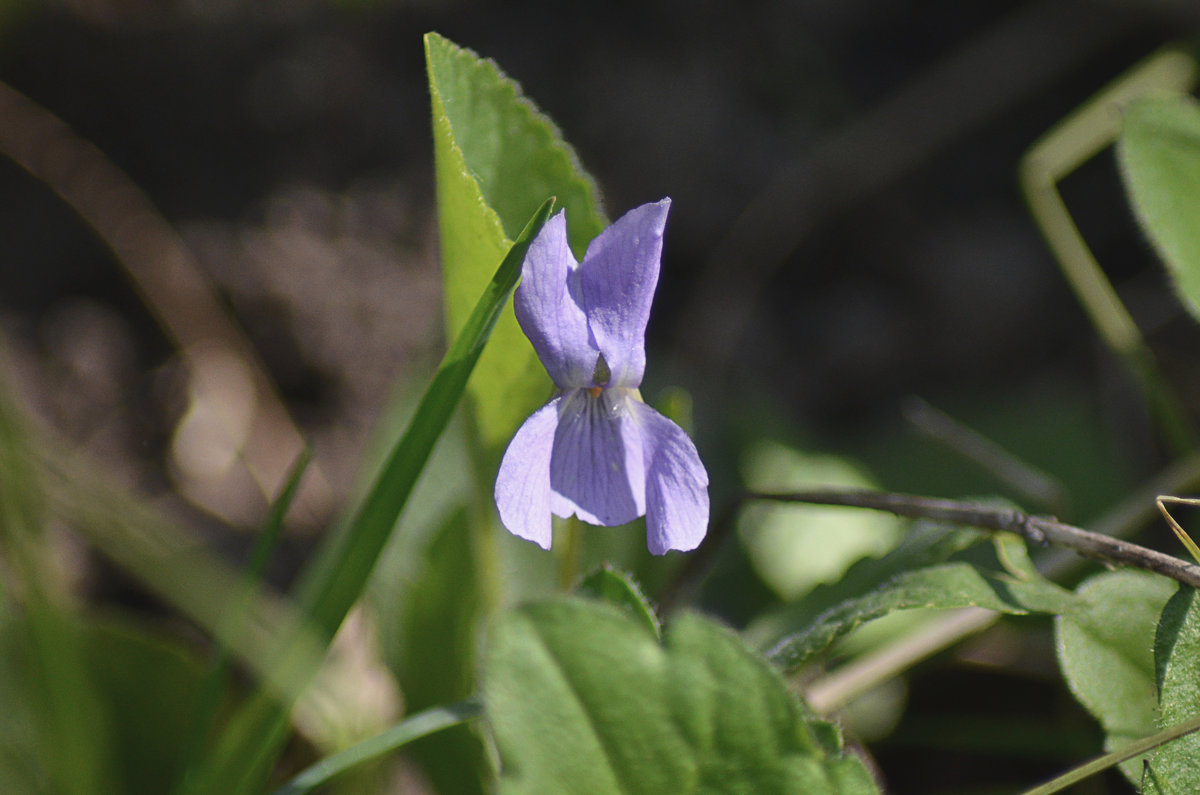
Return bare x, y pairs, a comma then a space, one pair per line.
568, 560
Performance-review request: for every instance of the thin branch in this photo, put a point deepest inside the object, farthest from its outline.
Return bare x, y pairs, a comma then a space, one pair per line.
1036, 529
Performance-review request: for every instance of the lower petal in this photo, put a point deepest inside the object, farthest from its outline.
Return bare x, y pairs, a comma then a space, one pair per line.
596, 471
676, 485
523, 483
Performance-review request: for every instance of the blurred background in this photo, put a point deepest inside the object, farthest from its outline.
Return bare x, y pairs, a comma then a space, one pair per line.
218, 234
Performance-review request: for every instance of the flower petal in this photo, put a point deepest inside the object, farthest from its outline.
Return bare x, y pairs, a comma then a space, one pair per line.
523, 483
619, 274
596, 471
549, 307
676, 484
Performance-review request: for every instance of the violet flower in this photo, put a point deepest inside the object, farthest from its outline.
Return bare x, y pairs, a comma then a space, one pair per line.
596, 450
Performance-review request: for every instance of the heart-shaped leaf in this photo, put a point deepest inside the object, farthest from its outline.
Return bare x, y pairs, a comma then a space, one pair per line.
1105, 650
1159, 152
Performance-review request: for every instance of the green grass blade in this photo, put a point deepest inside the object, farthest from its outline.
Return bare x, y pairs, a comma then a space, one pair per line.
1101, 763
411, 728
332, 584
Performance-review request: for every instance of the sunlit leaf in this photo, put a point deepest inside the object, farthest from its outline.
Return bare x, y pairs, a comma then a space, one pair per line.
1159, 152
1176, 766
498, 157
583, 698
1105, 650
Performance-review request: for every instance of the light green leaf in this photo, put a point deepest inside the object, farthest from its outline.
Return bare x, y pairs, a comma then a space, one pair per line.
498, 157
583, 699
1105, 650
945, 586
794, 548
1176, 766
1159, 152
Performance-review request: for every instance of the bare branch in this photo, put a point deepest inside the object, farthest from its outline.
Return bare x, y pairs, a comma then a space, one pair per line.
1039, 530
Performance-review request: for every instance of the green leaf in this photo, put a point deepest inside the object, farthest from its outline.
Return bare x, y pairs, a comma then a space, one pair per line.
1176, 766
1105, 650
795, 548
618, 588
582, 698
948, 585
333, 582
497, 157
925, 544
1159, 153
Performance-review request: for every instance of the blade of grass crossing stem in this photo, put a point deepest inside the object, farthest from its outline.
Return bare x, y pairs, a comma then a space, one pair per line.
333, 582
218, 677
411, 728
1114, 758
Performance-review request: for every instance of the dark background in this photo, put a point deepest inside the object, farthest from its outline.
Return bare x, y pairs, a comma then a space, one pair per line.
846, 231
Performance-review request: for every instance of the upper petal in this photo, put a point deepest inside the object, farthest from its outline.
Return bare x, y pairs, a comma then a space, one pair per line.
596, 471
523, 483
676, 484
549, 307
619, 273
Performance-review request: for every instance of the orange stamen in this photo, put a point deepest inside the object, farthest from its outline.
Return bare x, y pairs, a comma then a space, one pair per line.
595, 391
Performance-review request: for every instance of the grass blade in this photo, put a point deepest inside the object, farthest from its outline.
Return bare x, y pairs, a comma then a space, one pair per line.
332, 584
411, 728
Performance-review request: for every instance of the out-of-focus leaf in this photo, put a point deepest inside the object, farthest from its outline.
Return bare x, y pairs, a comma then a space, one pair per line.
796, 547
1159, 152
617, 588
582, 698
1105, 650
945, 586
498, 157
1176, 765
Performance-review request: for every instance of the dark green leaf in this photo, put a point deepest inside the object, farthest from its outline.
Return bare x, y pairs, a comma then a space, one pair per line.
945, 586
925, 544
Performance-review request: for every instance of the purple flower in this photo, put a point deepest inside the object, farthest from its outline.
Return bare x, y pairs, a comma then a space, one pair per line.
596, 450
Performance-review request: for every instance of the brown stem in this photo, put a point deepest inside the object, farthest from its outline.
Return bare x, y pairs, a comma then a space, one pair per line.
1036, 529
